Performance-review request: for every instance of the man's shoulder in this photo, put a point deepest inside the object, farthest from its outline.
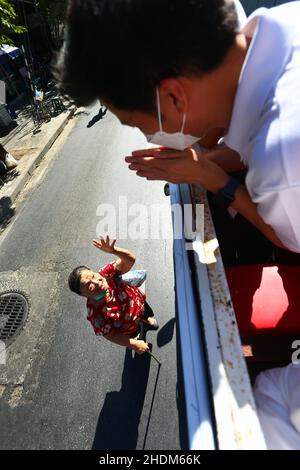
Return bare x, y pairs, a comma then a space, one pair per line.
272, 155
286, 14
109, 270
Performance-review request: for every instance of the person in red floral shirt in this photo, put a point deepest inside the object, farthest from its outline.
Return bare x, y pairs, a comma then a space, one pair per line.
115, 308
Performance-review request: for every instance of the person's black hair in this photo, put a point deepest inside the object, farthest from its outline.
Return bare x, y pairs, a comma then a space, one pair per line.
74, 278
120, 50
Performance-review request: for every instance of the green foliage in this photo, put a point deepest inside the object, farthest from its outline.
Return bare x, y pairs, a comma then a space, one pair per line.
52, 10
8, 18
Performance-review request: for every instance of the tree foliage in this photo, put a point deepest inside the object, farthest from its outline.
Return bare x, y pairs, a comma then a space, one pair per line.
8, 22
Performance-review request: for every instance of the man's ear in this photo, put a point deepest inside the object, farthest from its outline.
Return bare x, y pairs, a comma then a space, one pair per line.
173, 96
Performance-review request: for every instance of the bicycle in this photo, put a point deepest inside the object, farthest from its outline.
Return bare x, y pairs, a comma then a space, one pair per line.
40, 111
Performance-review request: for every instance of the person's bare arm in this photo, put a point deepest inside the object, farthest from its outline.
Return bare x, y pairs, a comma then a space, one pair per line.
229, 160
222, 155
246, 207
139, 346
216, 179
126, 258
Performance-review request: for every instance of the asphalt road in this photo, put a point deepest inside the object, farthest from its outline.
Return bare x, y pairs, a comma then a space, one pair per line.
64, 388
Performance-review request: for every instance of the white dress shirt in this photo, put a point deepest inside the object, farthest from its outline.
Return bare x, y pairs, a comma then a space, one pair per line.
265, 123
240, 12
277, 396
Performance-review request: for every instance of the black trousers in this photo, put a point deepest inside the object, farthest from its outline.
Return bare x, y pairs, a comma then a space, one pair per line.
148, 312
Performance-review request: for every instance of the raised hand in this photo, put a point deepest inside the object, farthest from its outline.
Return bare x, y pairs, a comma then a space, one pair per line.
106, 245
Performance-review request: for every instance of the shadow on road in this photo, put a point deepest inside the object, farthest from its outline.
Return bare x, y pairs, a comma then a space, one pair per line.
166, 333
97, 117
117, 427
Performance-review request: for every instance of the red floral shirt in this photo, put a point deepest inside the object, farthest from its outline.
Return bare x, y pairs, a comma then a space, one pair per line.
121, 309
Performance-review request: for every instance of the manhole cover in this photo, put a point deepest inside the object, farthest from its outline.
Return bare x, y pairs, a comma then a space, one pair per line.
13, 314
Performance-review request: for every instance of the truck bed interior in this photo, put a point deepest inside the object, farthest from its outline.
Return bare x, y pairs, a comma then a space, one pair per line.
264, 283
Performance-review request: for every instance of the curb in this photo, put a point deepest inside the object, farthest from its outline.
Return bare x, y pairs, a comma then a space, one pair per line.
15, 190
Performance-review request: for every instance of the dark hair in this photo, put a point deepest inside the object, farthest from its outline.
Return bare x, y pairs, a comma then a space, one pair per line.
120, 50
74, 278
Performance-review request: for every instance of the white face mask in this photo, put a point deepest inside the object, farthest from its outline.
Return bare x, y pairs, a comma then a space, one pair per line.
177, 140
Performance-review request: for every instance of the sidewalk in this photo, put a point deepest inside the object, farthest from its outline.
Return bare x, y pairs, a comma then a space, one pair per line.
28, 148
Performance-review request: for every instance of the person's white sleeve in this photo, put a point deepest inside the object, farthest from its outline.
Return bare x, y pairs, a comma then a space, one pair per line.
242, 17
277, 397
280, 209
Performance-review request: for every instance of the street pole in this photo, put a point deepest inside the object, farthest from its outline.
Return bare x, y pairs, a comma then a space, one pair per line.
26, 52
28, 71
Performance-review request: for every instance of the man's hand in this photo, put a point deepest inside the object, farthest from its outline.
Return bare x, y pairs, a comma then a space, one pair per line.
125, 259
175, 166
140, 346
105, 245
169, 165
193, 167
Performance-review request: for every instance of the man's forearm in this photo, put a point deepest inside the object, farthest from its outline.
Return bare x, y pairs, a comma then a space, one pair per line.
124, 255
126, 259
139, 346
246, 207
226, 158
214, 178
120, 339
